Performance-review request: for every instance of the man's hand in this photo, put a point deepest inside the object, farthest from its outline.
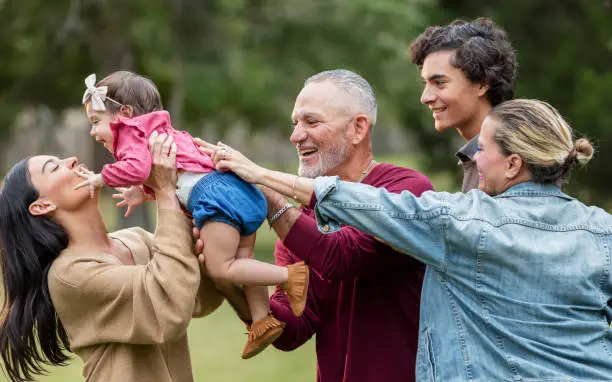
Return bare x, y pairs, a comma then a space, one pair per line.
131, 197
232, 292
198, 248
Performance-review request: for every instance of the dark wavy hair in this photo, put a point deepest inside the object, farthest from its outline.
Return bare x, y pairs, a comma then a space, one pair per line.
482, 51
31, 335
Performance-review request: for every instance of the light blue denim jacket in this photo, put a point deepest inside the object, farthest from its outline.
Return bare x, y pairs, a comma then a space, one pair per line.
518, 286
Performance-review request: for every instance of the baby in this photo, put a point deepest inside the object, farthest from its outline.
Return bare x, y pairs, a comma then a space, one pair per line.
124, 109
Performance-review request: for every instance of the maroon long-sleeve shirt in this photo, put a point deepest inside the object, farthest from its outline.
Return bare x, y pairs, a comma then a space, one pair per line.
363, 297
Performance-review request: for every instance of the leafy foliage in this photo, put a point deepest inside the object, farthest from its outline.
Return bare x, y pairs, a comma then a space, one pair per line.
222, 60
236, 60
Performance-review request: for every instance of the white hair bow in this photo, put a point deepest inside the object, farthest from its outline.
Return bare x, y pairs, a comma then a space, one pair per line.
96, 94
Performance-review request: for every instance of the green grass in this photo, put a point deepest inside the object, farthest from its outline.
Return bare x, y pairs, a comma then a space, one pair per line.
216, 342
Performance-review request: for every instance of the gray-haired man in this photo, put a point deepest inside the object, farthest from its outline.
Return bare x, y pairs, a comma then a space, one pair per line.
363, 302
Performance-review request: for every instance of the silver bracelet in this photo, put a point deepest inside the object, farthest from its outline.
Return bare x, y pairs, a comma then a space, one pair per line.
279, 213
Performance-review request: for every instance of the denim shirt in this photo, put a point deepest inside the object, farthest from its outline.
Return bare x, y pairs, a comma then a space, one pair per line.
518, 287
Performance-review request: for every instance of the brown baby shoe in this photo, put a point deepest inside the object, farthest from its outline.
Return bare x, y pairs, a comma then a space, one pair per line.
296, 287
261, 334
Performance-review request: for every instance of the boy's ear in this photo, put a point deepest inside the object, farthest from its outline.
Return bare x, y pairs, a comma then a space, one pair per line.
126, 111
483, 89
41, 207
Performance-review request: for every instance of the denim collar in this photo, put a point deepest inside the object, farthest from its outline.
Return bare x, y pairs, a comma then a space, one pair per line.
466, 152
534, 189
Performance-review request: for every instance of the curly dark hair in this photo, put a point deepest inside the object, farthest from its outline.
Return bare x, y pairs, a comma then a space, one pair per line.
483, 53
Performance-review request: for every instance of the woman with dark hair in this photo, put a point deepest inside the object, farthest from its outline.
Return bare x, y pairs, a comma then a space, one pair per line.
120, 301
25, 266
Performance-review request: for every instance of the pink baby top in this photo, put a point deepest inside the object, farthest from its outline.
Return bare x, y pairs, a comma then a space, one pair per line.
131, 150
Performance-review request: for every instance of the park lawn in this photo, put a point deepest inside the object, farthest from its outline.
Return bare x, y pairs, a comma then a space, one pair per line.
216, 342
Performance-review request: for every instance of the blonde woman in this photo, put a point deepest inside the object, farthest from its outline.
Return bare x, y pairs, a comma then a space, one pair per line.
519, 280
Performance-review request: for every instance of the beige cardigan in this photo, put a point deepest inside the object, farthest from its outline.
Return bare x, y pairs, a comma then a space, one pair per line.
129, 322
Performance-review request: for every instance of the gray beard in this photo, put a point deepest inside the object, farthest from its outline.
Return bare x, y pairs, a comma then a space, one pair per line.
334, 157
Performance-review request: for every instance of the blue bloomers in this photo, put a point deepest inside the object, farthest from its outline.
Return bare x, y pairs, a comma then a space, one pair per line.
224, 197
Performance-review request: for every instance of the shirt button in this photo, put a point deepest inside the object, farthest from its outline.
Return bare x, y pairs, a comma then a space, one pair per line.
325, 228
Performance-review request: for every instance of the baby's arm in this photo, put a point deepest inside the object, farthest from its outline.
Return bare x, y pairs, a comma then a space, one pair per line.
92, 180
133, 164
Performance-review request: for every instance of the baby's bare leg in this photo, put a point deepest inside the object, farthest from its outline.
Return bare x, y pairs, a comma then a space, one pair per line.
257, 296
220, 246
227, 260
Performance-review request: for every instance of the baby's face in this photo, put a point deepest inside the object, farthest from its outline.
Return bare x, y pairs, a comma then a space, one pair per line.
100, 126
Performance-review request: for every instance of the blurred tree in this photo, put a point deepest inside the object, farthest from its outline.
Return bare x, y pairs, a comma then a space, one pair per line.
237, 60
564, 49
215, 61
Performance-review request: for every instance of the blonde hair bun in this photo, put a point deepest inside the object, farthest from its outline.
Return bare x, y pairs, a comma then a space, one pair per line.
583, 151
